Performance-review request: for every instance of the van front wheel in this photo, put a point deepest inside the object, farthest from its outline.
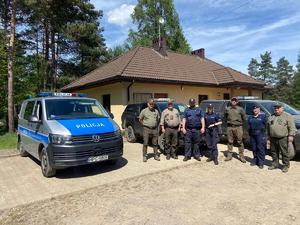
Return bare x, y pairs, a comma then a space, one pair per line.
47, 169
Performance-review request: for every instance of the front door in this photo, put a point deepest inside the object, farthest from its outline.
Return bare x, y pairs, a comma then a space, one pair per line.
106, 102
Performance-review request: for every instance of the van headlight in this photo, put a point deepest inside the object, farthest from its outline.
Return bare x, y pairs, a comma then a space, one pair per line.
60, 139
117, 133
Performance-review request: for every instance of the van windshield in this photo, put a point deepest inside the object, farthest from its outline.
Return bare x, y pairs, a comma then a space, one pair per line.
63, 109
270, 107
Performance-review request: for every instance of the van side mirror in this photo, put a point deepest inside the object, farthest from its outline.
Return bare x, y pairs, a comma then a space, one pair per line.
33, 119
111, 115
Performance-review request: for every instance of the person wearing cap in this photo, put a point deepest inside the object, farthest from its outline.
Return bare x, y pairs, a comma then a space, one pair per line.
212, 120
193, 125
170, 126
257, 127
235, 116
280, 130
149, 117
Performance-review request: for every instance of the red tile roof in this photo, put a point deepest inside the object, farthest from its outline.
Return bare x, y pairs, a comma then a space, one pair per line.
142, 63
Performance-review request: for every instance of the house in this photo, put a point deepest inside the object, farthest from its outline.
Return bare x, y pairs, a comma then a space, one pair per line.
156, 72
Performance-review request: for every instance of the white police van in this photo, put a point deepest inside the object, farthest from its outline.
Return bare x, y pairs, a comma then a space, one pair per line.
67, 129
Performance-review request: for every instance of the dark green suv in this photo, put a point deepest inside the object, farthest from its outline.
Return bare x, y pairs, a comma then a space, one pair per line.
134, 129
267, 106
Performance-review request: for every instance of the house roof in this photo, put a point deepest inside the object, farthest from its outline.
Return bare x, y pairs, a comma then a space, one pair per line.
146, 64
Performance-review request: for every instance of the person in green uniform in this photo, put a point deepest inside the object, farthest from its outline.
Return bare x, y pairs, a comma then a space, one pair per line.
280, 130
235, 116
170, 126
149, 117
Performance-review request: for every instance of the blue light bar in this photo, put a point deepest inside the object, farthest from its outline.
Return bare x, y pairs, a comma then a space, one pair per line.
60, 94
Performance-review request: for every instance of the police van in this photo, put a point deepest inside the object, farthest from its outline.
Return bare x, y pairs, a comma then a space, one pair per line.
67, 129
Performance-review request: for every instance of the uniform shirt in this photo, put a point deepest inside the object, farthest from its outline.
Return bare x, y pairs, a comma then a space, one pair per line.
170, 118
211, 118
149, 117
235, 115
257, 125
280, 126
193, 117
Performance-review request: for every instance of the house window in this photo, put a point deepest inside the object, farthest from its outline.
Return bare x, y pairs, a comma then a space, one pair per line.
141, 97
226, 96
201, 98
160, 95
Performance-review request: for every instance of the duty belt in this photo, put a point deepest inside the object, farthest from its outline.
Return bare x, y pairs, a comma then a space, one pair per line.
152, 128
232, 125
176, 127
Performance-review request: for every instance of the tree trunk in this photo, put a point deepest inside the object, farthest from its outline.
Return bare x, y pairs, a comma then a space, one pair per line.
53, 54
46, 69
10, 90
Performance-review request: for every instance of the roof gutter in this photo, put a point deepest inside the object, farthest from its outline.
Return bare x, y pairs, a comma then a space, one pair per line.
128, 90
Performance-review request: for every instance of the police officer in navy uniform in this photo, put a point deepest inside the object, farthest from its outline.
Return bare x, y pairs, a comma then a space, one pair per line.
193, 126
212, 120
257, 127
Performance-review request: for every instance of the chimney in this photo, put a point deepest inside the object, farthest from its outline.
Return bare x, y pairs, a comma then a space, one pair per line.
199, 52
160, 45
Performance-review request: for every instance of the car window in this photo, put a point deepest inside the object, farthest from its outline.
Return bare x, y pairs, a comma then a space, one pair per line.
249, 108
38, 112
28, 110
143, 106
131, 108
269, 106
74, 109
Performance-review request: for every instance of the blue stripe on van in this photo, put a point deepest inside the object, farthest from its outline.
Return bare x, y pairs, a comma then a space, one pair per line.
88, 126
33, 134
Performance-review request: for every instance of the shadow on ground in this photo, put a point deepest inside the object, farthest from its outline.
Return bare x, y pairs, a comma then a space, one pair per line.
87, 170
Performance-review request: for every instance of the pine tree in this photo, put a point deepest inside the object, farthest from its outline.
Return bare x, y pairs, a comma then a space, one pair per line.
147, 15
284, 75
266, 69
296, 86
253, 68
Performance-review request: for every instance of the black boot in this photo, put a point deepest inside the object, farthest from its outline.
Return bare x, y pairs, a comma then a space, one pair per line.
156, 155
144, 153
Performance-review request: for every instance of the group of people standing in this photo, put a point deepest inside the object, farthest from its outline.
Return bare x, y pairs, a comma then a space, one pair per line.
279, 129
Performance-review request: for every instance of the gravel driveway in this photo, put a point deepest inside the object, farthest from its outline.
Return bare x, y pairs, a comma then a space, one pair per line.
166, 192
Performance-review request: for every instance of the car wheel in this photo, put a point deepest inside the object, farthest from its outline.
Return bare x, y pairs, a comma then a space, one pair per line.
20, 147
129, 133
162, 142
47, 169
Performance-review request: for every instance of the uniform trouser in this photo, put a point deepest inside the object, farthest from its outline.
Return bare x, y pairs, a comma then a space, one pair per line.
147, 134
258, 148
235, 133
192, 136
171, 137
280, 145
212, 139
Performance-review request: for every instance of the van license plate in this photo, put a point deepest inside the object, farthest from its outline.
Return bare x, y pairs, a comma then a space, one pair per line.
97, 158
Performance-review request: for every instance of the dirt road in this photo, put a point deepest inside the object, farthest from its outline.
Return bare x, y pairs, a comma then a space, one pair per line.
198, 193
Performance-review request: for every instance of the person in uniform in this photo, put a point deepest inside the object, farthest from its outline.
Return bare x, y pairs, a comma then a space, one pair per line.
149, 117
212, 120
170, 126
257, 127
280, 130
192, 126
235, 116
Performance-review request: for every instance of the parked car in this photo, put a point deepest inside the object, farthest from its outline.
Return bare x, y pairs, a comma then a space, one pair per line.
247, 103
133, 127
63, 130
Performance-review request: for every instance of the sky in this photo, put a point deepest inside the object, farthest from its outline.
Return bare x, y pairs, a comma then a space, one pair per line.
231, 31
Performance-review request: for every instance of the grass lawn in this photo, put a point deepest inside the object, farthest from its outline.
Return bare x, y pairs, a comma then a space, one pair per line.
8, 141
